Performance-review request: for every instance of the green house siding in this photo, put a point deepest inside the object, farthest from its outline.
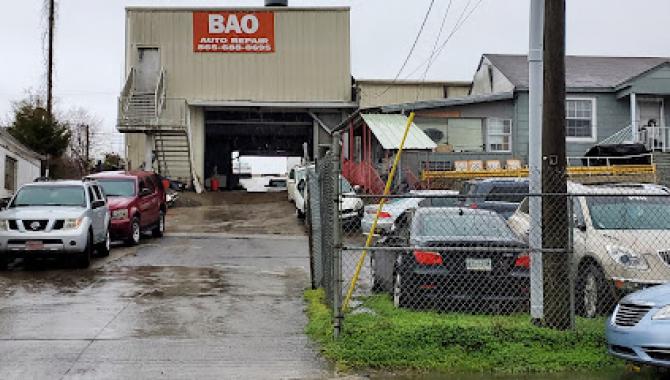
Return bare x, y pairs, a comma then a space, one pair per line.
612, 115
655, 82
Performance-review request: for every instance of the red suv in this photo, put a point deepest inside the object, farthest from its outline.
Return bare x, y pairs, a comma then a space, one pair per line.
136, 202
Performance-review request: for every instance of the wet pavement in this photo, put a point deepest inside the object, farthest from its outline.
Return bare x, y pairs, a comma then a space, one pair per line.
185, 306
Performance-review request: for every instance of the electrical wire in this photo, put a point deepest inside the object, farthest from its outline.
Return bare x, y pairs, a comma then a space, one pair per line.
459, 23
411, 50
437, 41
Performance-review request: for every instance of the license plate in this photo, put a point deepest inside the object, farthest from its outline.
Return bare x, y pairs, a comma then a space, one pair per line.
34, 245
483, 265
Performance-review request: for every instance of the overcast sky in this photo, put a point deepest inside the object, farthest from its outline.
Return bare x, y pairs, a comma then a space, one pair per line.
90, 38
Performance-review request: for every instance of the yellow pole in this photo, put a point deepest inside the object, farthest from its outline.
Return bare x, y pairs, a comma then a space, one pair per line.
387, 190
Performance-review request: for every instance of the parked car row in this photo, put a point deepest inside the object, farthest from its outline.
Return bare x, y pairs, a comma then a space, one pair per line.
351, 206
464, 251
77, 219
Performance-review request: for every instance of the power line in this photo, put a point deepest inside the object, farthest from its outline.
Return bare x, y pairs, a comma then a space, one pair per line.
437, 40
459, 23
411, 50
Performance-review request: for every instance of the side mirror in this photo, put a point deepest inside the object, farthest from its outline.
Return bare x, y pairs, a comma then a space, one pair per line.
581, 227
97, 204
144, 192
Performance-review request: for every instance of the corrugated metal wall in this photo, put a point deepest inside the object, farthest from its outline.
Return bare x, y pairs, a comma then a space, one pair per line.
374, 94
311, 62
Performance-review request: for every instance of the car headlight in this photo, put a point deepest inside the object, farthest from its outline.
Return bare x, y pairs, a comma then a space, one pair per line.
4, 225
120, 214
627, 258
72, 224
663, 314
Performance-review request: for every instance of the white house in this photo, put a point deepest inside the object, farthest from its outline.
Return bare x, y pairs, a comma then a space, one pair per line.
18, 165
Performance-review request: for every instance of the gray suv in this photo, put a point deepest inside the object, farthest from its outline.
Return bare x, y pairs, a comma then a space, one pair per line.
66, 218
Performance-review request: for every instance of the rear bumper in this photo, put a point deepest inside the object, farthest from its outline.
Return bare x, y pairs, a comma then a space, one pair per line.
648, 342
468, 290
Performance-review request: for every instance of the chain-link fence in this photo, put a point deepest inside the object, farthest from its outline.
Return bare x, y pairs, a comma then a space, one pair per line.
489, 246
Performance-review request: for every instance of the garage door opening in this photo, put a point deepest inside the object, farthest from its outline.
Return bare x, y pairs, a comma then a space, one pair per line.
263, 137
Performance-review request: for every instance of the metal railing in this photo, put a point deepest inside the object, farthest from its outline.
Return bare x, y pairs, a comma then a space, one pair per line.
160, 93
171, 118
126, 93
655, 138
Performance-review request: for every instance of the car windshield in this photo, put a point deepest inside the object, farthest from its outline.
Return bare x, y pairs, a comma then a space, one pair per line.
637, 212
439, 224
118, 187
345, 186
50, 196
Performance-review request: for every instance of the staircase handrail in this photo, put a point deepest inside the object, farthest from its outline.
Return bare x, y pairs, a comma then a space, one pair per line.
126, 93
160, 93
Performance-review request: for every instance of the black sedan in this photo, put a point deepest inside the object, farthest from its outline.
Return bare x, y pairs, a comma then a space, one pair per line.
461, 259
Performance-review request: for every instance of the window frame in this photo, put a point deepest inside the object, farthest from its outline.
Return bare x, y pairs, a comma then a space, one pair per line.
489, 134
594, 120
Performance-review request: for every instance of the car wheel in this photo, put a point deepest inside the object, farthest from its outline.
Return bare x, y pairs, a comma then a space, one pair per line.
83, 259
592, 296
4, 263
135, 232
105, 246
159, 230
300, 214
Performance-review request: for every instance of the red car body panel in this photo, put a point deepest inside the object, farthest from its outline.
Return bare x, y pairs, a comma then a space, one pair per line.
147, 208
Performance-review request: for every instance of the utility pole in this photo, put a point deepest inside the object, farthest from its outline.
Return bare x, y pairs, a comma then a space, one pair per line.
555, 225
535, 87
50, 60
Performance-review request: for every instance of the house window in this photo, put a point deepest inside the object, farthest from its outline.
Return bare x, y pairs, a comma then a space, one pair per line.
465, 135
499, 135
580, 119
10, 174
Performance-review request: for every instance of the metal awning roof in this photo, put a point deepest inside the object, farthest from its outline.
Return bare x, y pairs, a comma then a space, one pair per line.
388, 129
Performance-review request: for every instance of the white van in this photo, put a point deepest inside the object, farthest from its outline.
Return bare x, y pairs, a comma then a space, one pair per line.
295, 175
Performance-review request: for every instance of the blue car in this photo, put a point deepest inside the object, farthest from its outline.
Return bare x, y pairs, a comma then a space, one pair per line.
639, 329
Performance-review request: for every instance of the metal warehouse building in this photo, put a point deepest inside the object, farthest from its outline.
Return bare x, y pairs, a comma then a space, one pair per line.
203, 83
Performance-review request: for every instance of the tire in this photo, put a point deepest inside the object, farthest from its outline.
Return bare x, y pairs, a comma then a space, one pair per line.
105, 246
135, 232
159, 230
83, 259
300, 214
593, 296
4, 263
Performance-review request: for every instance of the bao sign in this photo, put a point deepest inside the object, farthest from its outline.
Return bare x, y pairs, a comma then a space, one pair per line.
234, 32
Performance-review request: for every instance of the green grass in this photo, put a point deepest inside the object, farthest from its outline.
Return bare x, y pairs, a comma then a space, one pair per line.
393, 338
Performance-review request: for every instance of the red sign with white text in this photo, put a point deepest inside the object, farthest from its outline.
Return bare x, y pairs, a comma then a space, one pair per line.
234, 32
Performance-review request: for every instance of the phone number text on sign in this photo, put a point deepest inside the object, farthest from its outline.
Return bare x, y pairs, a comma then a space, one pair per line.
233, 32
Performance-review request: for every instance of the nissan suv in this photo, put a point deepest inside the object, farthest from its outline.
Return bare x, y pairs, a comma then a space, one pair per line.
67, 218
136, 202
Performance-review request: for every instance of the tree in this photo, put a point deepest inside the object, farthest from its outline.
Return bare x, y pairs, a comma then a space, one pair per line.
35, 128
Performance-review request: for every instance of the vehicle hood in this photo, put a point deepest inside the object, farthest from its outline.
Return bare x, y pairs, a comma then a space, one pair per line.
642, 241
116, 203
43, 212
657, 295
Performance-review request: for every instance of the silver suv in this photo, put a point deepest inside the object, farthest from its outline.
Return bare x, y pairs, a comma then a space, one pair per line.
67, 218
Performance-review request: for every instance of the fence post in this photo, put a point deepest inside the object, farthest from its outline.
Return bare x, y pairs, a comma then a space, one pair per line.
337, 238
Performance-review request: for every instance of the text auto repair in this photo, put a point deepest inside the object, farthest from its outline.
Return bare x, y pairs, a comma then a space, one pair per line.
237, 32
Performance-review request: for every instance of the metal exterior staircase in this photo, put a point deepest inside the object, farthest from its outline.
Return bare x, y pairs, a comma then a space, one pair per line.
166, 120
173, 156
